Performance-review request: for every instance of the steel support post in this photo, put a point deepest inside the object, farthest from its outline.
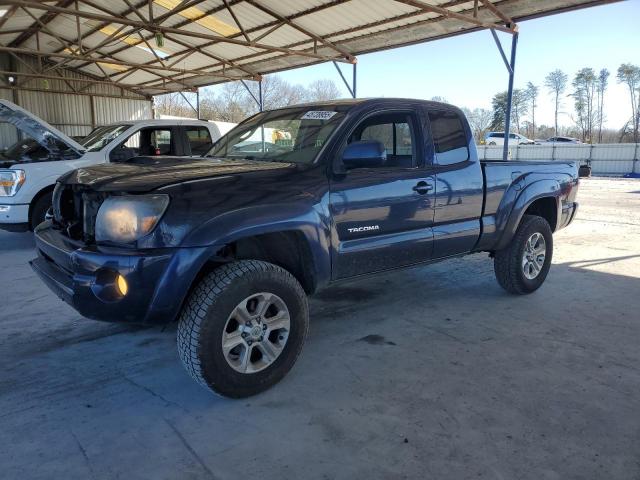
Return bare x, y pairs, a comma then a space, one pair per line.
351, 88
507, 120
354, 80
198, 103
511, 68
197, 110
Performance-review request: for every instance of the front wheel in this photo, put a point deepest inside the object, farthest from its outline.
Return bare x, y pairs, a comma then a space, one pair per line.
523, 266
243, 327
39, 210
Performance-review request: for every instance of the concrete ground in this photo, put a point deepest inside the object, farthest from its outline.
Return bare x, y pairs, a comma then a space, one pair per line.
433, 372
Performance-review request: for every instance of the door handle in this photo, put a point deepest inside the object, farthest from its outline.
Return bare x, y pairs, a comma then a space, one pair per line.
422, 188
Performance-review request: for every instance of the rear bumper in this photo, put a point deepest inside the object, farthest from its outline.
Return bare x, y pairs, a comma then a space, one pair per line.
158, 280
569, 211
14, 217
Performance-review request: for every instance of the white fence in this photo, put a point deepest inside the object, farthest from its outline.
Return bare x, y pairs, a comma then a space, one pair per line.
614, 159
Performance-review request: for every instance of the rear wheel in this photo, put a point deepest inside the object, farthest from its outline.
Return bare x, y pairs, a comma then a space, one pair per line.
243, 328
39, 210
523, 266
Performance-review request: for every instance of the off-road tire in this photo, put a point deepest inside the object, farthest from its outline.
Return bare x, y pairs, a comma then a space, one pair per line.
39, 210
507, 263
205, 314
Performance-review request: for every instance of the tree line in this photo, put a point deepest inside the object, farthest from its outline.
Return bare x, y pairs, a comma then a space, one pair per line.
233, 103
586, 91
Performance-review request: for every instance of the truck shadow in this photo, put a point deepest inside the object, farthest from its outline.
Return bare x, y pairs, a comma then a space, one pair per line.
446, 305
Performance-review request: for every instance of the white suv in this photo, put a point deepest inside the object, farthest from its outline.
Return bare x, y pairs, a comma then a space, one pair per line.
36, 154
497, 138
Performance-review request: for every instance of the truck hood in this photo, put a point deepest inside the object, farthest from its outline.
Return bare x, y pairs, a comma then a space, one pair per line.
36, 128
144, 174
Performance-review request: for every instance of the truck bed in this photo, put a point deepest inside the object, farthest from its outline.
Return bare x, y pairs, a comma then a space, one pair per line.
499, 199
500, 174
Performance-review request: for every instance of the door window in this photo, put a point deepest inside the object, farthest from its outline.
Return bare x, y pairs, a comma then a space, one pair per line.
395, 131
199, 140
449, 138
145, 142
160, 142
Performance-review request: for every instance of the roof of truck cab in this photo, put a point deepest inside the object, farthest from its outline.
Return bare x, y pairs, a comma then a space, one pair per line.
161, 122
386, 101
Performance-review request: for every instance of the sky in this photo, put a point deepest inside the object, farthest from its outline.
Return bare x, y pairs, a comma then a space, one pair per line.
467, 70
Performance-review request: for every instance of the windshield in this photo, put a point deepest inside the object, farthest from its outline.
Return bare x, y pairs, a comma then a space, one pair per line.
102, 136
289, 135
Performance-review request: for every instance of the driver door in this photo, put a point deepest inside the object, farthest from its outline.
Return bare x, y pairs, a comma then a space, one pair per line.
383, 216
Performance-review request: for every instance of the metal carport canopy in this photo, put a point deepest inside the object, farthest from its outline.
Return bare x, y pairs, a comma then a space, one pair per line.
158, 46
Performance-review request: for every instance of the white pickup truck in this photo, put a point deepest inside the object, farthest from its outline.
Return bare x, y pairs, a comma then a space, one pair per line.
33, 154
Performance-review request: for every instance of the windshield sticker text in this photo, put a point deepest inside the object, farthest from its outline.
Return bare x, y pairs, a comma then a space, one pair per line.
318, 115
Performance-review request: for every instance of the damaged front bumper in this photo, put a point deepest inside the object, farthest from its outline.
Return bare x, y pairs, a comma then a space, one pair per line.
85, 277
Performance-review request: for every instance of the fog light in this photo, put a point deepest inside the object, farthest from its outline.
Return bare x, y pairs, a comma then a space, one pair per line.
121, 283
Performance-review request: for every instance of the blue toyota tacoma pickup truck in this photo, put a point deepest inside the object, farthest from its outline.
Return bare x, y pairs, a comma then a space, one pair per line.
288, 202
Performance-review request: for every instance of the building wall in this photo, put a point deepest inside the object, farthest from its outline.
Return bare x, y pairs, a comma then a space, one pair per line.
73, 107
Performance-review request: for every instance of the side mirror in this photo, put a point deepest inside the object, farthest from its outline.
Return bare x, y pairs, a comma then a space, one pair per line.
364, 154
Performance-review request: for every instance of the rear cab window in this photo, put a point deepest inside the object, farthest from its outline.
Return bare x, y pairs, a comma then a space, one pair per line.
199, 139
449, 137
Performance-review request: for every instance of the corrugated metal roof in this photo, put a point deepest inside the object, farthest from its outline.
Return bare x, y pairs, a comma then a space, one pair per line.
151, 47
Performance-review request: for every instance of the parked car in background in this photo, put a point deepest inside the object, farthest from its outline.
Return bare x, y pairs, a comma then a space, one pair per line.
35, 154
497, 138
230, 245
563, 140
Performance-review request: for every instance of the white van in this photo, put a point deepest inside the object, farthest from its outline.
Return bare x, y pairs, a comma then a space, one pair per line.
33, 154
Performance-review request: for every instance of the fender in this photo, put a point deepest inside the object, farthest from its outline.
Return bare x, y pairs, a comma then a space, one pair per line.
515, 202
312, 221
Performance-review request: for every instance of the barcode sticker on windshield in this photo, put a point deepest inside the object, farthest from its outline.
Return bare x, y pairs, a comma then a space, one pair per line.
318, 115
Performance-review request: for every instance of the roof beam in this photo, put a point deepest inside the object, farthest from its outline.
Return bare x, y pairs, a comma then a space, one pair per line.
141, 96
425, 7
134, 9
378, 23
81, 80
353, 29
104, 24
7, 16
161, 29
183, 6
43, 20
91, 60
498, 13
273, 26
223, 61
235, 19
295, 26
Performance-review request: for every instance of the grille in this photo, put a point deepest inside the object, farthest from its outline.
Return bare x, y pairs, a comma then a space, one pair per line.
75, 210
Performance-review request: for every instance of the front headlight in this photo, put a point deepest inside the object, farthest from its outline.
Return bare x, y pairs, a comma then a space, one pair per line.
126, 218
11, 181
